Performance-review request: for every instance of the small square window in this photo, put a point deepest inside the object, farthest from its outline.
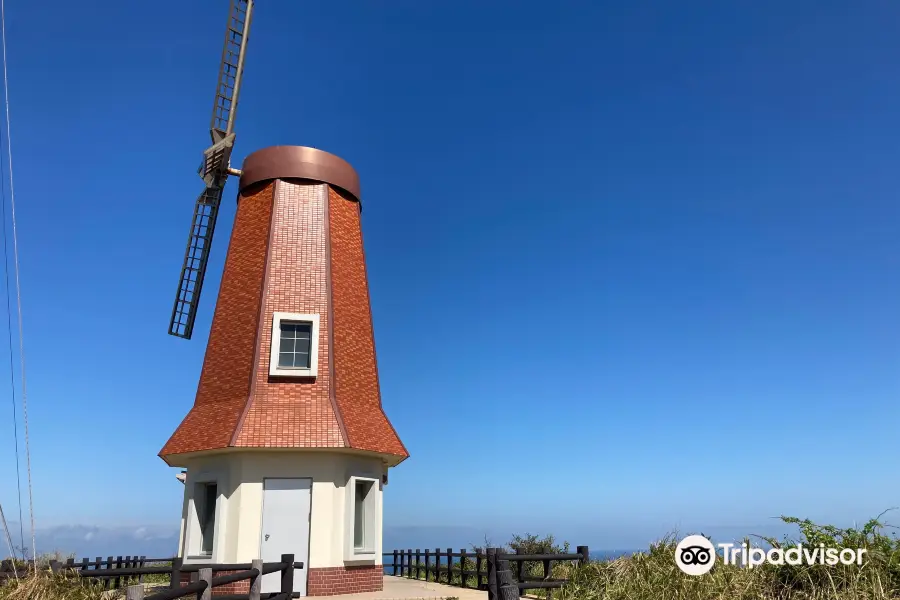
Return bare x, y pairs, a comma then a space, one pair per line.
294, 349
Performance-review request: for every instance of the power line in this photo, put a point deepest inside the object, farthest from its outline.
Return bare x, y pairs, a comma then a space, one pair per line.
12, 203
9, 541
12, 380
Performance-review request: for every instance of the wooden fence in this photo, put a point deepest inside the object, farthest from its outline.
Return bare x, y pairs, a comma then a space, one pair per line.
490, 567
117, 572
126, 562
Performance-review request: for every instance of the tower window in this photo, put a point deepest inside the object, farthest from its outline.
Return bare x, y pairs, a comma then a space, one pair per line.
294, 351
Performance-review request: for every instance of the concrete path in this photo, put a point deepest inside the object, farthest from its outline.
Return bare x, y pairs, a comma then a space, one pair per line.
401, 588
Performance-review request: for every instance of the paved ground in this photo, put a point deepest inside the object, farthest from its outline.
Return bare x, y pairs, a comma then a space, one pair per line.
401, 588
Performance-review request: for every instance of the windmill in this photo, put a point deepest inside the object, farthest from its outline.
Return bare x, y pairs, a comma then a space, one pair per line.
214, 170
289, 366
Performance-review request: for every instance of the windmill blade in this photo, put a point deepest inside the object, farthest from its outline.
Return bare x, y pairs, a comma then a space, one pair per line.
193, 270
231, 69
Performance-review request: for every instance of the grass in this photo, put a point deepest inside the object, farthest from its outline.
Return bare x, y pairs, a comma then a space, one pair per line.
49, 586
654, 575
45, 585
649, 575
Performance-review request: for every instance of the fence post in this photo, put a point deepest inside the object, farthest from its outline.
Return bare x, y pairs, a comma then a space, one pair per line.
585, 555
449, 562
492, 573
134, 592
402, 561
140, 565
54, 566
287, 574
409, 556
108, 580
175, 578
118, 566
206, 592
256, 582
520, 567
418, 563
437, 565
547, 570
462, 567
479, 557
94, 580
427, 563
395, 562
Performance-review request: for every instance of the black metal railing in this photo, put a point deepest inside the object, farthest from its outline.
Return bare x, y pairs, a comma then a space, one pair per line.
483, 569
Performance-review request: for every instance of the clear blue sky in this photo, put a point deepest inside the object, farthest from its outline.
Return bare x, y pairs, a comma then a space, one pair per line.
643, 255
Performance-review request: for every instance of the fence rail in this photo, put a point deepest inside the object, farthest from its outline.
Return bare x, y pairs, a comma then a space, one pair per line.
111, 573
489, 565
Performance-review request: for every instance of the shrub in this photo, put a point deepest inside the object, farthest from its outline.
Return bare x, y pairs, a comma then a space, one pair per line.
653, 574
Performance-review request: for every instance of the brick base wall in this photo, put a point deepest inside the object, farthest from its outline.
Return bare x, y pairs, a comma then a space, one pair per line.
329, 581
237, 587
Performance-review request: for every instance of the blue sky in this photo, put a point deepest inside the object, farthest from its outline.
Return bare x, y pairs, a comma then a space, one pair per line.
637, 262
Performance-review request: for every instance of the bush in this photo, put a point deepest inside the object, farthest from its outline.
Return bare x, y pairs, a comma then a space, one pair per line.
654, 575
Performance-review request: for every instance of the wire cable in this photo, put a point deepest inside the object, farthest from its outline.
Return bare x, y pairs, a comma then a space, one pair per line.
12, 203
9, 541
9, 341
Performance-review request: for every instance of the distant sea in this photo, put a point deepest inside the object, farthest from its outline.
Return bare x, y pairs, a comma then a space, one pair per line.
611, 554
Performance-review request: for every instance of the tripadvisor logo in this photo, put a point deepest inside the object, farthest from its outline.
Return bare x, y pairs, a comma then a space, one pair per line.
696, 555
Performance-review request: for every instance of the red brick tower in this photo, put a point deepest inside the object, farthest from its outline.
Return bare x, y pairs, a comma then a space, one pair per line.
289, 392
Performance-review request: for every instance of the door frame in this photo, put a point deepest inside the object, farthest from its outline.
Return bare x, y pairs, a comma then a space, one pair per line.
262, 512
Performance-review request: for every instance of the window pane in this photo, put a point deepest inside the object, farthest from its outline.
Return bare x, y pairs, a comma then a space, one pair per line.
208, 518
287, 344
359, 514
286, 359
302, 345
301, 360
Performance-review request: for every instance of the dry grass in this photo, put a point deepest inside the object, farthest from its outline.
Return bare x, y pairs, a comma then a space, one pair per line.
45, 585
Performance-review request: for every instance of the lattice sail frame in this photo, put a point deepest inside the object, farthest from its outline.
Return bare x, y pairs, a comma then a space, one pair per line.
214, 170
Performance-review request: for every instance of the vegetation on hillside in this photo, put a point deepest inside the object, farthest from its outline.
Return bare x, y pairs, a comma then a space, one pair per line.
653, 575
649, 575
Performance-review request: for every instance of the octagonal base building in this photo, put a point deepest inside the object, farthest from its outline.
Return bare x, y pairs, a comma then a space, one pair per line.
286, 449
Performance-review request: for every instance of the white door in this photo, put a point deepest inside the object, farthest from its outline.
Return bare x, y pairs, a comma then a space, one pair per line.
285, 528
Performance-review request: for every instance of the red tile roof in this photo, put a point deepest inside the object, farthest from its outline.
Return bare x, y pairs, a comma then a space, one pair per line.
295, 247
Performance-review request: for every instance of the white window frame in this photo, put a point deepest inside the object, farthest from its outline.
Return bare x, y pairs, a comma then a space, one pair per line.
373, 520
277, 319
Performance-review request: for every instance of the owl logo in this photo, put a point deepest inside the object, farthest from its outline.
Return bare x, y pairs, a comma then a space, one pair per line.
695, 555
